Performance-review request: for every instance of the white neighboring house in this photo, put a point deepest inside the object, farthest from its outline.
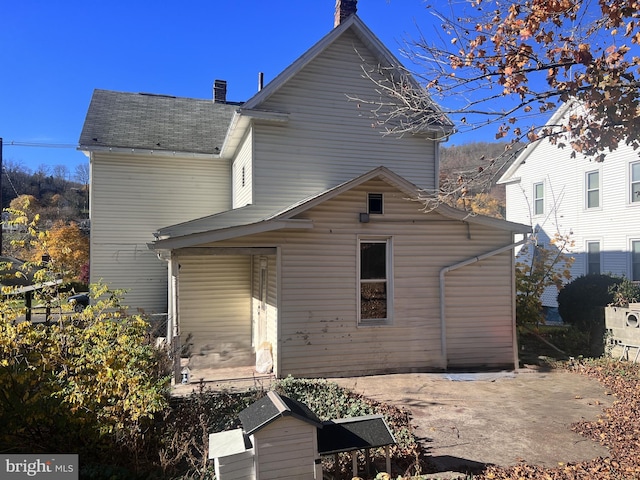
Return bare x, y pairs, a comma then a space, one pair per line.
596, 203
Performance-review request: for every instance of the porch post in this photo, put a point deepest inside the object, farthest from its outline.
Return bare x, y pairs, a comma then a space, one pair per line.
173, 330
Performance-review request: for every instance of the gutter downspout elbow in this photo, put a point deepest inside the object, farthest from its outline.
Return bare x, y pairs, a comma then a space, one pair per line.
450, 268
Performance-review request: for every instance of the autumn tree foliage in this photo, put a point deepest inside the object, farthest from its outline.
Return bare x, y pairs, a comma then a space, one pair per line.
26, 204
511, 64
90, 375
66, 247
539, 267
482, 204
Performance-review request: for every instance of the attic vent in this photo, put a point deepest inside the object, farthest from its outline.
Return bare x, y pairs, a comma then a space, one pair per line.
219, 91
344, 8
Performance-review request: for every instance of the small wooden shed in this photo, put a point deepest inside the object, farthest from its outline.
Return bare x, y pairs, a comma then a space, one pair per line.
282, 438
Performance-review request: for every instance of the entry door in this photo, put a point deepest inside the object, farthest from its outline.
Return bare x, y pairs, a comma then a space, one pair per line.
263, 304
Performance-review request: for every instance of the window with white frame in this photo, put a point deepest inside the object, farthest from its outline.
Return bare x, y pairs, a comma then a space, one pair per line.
592, 182
635, 260
635, 182
375, 204
538, 198
375, 298
593, 258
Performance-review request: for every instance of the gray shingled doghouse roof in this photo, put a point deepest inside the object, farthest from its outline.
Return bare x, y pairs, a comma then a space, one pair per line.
271, 407
155, 122
348, 434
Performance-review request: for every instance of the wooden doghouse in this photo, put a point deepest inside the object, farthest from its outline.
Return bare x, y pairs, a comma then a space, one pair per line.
281, 438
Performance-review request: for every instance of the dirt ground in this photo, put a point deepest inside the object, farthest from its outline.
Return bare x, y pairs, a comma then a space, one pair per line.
467, 421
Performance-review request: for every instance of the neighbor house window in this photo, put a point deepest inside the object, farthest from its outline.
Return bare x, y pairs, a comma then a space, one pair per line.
375, 204
593, 189
593, 258
538, 198
635, 261
635, 182
375, 283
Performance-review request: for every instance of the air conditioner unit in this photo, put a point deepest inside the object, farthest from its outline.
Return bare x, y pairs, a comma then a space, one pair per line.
633, 319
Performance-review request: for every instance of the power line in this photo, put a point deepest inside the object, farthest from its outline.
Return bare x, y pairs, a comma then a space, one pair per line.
39, 145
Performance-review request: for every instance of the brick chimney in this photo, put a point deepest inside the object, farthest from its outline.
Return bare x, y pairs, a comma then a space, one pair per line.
219, 91
344, 8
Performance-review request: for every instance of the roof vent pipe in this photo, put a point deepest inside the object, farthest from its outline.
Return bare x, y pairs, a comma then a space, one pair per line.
344, 8
260, 80
219, 91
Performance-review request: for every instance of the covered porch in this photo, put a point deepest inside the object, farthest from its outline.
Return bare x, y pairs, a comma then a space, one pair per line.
223, 304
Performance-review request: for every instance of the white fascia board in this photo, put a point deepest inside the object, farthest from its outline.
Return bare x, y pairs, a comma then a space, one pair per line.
229, 233
241, 121
143, 151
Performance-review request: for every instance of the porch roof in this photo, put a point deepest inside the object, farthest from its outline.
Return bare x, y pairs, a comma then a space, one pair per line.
253, 219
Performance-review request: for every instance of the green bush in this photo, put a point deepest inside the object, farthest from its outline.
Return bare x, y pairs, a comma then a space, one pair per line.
581, 304
577, 299
90, 383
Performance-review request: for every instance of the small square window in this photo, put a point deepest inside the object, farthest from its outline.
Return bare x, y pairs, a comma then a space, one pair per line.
375, 203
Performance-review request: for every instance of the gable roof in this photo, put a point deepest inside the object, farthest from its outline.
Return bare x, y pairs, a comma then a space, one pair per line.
121, 121
509, 175
386, 59
353, 23
271, 407
154, 123
254, 219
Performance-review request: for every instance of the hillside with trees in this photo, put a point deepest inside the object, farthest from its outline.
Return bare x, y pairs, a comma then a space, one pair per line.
58, 193
52, 206
466, 183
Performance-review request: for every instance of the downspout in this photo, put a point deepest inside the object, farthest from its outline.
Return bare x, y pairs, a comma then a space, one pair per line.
455, 266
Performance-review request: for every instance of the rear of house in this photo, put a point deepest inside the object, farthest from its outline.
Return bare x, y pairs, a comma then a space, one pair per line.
405, 290
288, 226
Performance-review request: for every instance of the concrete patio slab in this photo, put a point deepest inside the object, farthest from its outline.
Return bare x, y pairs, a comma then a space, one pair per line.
504, 418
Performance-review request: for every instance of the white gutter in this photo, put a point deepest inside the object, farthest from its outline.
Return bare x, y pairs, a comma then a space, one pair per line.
455, 266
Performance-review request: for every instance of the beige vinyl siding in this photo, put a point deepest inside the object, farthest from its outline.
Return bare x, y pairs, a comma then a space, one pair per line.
235, 467
215, 308
319, 335
328, 138
479, 314
133, 196
243, 173
286, 450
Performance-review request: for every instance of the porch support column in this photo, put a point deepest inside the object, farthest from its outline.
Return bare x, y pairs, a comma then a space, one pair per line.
173, 329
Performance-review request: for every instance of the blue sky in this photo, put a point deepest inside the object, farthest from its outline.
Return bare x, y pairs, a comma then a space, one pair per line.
55, 53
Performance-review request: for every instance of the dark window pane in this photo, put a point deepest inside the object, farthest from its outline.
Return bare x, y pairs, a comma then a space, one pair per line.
373, 300
594, 258
373, 261
375, 203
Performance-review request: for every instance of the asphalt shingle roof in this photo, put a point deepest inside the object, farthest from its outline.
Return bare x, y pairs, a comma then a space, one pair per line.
155, 122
